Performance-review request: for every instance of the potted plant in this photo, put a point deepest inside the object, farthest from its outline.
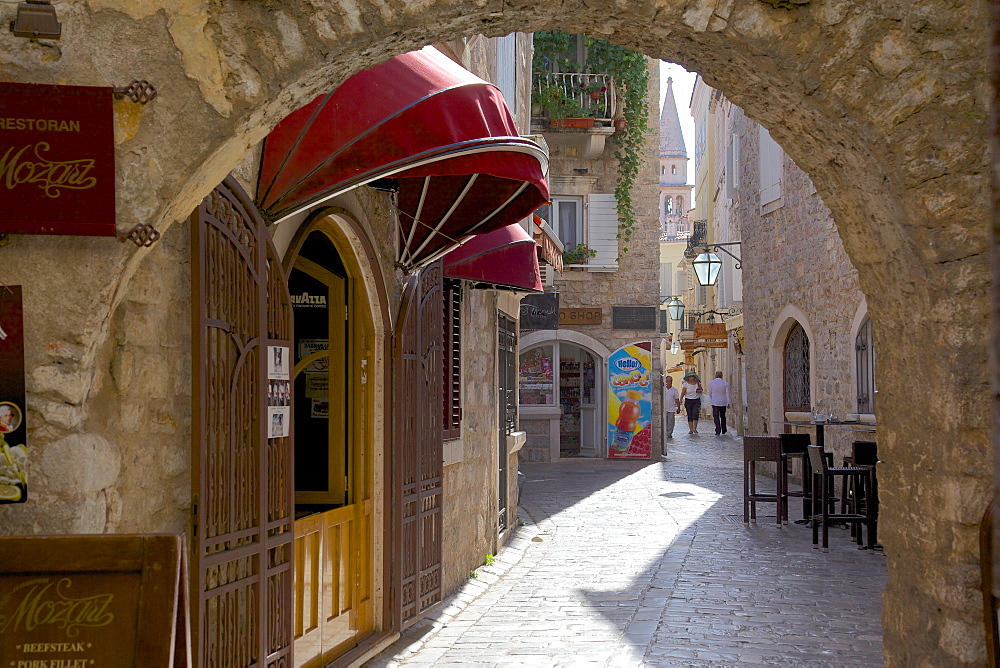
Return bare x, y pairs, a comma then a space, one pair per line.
595, 88
578, 254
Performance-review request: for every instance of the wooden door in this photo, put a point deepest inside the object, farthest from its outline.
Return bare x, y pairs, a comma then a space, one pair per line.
418, 443
242, 479
333, 416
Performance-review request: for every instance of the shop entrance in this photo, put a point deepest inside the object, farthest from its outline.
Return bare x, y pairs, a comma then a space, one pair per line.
565, 375
333, 410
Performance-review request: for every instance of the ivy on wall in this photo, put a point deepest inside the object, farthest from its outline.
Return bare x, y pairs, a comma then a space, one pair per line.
632, 80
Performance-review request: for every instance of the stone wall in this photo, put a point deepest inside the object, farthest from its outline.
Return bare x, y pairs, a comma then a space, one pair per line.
793, 257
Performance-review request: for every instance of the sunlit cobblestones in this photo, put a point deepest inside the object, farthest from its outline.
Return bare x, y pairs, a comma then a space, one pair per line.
642, 564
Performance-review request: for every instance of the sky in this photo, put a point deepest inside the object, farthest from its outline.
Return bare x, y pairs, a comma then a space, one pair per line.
683, 85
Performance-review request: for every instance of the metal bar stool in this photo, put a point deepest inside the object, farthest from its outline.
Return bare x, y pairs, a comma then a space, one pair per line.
761, 449
824, 500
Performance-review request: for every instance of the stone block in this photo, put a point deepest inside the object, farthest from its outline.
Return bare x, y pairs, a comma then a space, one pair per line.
84, 463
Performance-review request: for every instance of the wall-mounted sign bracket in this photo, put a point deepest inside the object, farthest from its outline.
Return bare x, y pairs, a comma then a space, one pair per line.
142, 235
139, 91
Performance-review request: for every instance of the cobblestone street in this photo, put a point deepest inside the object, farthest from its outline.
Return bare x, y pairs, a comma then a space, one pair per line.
625, 563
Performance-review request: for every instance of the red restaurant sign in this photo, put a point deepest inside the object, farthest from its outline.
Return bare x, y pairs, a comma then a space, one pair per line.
57, 160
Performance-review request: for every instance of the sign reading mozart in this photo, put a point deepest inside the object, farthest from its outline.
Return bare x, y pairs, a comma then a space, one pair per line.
93, 601
57, 160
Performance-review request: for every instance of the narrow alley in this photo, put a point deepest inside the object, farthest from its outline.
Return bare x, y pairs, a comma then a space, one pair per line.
623, 563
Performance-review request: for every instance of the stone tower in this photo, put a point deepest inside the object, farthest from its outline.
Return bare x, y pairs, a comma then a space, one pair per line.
675, 193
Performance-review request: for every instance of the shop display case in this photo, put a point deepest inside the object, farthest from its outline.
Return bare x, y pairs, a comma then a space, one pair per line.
536, 380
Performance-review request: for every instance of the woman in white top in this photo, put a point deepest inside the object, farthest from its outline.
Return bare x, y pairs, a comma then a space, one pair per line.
691, 396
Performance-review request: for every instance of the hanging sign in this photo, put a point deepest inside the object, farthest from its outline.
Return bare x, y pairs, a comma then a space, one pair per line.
715, 330
539, 312
57, 160
630, 397
13, 430
93, 601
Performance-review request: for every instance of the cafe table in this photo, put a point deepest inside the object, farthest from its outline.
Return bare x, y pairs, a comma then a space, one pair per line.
855, 425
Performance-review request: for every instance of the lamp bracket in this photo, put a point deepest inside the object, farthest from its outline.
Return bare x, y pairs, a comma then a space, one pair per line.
717, 248
139, 91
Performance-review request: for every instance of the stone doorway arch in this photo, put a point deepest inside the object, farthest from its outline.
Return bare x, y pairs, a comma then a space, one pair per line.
882, 104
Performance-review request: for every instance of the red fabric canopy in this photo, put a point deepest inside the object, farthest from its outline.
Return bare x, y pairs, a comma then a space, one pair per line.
442, 133
504, 258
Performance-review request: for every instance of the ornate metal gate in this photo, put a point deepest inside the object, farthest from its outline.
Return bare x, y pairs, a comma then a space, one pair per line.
243, 493
418, 443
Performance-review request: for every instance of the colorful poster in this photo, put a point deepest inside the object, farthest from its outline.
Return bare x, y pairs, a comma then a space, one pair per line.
13, 430
630, 402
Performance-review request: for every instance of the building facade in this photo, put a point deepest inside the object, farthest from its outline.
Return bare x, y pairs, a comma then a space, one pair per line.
571, 419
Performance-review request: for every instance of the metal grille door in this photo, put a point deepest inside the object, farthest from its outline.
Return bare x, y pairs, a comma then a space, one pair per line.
864, 346
797, 393
243, 503
506, 345
418, 455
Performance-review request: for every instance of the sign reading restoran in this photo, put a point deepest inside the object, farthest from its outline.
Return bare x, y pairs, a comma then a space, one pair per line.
57, 160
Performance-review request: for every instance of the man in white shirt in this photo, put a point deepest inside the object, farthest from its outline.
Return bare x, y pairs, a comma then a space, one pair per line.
718, 391
671, 404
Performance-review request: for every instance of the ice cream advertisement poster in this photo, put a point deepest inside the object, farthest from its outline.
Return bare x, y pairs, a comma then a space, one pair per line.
630, 407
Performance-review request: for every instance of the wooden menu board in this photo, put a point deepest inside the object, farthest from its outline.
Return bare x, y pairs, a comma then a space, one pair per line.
104, 601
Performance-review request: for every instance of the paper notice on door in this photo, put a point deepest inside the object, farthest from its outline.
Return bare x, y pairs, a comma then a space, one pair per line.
309, 346
317, 385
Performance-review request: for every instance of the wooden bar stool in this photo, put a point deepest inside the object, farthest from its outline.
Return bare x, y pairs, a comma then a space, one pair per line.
796, 446
761, 449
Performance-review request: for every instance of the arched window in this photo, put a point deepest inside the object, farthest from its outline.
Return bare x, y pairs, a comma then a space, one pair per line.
796, 392
673, 169
864, 348
680, 204
668, 206
663, 169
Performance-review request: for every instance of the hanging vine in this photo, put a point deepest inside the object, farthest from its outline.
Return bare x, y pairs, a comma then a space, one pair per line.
632, 80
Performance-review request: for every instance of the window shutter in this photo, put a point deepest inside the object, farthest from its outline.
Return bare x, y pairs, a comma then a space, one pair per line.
770, 168
666, 273
452, 358
602, 231
506, 79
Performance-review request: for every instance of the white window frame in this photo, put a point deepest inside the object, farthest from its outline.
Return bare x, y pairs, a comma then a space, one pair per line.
558, 202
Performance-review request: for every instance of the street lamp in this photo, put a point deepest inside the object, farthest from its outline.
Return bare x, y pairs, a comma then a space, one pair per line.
706, 268
675, 309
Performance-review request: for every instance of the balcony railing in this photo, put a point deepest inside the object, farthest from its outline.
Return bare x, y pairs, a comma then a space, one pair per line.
601, 105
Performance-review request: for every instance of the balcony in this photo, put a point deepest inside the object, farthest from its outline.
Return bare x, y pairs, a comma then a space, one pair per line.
575, 110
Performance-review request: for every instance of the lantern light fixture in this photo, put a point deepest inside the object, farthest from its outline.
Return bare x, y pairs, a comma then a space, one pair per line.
675, 309
706, 262
706, 268
36, 19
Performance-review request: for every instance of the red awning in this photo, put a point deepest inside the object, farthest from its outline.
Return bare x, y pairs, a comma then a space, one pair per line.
442, 134
505, 258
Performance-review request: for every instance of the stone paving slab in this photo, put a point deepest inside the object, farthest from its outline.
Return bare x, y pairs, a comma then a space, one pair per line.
624, 563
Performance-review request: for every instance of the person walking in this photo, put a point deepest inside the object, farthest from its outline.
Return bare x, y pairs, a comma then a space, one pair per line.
691, 391
718, 392
671, 405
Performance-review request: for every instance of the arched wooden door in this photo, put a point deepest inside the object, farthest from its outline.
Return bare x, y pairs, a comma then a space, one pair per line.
419, 445
242, 477
797, 396
333, 356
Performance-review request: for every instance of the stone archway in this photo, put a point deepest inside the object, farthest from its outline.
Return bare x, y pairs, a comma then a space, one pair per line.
882, 104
